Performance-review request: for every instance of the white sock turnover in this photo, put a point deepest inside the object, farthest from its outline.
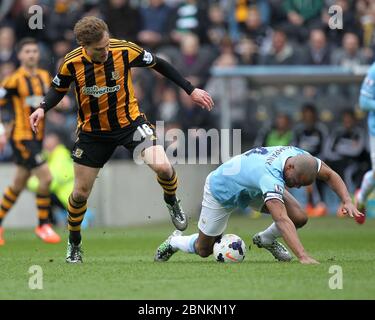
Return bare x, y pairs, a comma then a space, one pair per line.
184, 243
270, 234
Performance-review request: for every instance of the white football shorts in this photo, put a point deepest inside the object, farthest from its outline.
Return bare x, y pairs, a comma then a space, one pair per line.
214, 217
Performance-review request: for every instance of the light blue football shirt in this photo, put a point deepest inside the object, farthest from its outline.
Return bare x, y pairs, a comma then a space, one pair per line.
252, 178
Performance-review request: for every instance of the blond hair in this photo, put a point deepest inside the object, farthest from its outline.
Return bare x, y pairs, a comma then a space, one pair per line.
89, 30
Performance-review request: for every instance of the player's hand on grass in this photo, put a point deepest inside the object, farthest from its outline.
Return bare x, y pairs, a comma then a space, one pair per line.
308, 260
350, 209
35, 118
202, 98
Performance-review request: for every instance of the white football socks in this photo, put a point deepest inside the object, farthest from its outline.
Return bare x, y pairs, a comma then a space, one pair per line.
367, 186
184, 243
270, 234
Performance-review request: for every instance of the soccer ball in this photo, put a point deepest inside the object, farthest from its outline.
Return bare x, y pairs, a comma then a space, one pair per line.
229, 248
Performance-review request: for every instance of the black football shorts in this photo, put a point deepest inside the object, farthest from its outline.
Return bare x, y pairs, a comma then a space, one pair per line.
27, 153
93, 149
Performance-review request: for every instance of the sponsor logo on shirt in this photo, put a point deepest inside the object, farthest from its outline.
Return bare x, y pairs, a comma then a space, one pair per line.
99, 91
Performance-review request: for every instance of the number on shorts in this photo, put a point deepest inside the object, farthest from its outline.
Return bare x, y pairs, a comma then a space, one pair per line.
145, 130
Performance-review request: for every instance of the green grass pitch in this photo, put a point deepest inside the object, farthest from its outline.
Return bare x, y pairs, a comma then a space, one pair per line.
118, 264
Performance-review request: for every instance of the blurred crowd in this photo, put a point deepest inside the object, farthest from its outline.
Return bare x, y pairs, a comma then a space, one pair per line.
195, 35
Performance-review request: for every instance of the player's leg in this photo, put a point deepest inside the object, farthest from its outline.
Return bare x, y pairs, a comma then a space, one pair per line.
43, 199
84, 178
157, 160
89, 155
212, 223
141, 141
268, 238
367, 185
43, 202
11, 194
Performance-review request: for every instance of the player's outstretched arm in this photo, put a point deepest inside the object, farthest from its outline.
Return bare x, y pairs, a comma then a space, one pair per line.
288, 230
52, 98
199, 96
337, 184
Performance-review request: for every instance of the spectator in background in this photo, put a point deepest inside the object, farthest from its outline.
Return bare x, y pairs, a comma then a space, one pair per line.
257, 31
123, 20
281, 52
311, 135
7, 46
61, 19
21, 17
366, 13
247, 51
235, 87
5, 7
217, 28
60, 48
346, 150
350, 55
244, 8
318, 50
280, 134
190, 117
302, 17
168, 109
190, 16
350, 22
193, 60
154, 24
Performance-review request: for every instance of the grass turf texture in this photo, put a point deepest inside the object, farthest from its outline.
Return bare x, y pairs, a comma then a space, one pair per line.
118, 264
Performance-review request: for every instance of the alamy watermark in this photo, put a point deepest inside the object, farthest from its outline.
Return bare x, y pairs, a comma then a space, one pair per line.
336, 281
336, 19
36, 18
195, 146
36, 278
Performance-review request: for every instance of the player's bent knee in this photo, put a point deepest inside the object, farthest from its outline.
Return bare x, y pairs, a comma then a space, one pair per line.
46, 181
80, 195
204, 251
163, 170
300, 222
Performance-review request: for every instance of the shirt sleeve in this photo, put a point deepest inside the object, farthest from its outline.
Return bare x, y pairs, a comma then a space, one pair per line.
139, 57
271, 188
62, 80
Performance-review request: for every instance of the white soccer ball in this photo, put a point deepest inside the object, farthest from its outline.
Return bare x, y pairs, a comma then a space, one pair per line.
229, 248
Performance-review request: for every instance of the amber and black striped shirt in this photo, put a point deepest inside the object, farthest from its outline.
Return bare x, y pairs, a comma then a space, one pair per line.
104, 91
25, 91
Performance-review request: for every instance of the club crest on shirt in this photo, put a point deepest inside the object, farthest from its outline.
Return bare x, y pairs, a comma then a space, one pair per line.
115, 75
279, 189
